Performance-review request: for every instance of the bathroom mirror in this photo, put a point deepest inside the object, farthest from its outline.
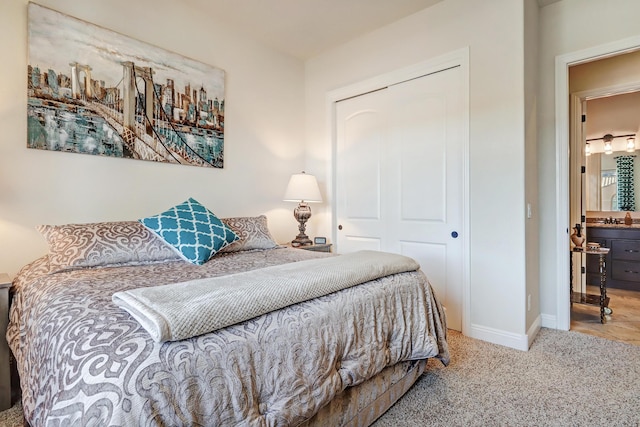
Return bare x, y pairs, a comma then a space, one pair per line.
602, 178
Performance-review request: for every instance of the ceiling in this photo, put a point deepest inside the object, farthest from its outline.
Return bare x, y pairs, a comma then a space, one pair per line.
304, 28
615, 115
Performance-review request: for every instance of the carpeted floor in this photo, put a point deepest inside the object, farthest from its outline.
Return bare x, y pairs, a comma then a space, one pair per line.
12, 417
565, 379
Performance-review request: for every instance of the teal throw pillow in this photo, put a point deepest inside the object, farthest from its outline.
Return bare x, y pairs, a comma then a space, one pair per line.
194, 231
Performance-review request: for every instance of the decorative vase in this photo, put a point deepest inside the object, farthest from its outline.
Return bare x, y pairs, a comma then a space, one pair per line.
577, 238
627, 219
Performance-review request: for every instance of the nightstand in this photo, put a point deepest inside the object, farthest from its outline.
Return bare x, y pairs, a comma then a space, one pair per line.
325, 247
5, 370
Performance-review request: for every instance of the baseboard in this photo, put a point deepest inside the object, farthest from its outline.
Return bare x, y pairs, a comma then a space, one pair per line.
533, 331
500, 337
549, 321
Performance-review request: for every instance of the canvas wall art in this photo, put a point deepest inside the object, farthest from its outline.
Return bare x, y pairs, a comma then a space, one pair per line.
94, 91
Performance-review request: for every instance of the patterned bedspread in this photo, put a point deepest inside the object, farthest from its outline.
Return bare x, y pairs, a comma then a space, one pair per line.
84, 361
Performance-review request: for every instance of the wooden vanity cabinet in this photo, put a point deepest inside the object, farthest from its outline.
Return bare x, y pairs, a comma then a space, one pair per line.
623, 260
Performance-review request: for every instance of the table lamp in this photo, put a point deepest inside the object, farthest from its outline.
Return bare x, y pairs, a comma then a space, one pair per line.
303, 189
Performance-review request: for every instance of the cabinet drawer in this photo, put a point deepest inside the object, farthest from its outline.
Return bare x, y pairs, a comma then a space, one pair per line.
626, 270
625, 250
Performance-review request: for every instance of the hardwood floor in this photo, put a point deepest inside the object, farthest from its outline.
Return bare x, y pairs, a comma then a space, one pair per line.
622, 325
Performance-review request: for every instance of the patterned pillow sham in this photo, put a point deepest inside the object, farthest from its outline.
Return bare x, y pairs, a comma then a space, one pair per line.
253, 232
192, 230
73, 246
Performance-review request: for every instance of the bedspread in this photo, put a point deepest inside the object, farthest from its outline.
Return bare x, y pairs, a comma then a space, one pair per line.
84, 361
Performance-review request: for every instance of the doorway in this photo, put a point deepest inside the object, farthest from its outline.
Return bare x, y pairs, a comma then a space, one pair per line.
570, 181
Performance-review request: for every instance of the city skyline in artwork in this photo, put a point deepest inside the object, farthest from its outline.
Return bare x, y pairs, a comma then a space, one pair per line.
94, 91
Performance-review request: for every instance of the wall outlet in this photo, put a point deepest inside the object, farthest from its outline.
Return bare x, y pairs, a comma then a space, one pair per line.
529, 213
529, 302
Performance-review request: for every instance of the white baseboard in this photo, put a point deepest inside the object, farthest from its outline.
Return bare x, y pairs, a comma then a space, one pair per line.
533, 331
500, 337
549, 321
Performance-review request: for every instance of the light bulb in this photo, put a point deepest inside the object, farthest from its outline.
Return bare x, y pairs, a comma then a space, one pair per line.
631, 145
607, 147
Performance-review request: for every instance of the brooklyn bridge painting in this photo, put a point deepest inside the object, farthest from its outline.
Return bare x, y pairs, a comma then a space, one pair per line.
94, 91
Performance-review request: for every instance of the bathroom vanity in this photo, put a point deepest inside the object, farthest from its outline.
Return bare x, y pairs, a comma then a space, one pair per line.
623, 259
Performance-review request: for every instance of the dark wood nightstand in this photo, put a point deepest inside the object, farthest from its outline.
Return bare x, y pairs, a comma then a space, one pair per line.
5, 370
325, 247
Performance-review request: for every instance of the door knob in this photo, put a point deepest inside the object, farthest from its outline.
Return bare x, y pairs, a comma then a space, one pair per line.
340, 227
454, 234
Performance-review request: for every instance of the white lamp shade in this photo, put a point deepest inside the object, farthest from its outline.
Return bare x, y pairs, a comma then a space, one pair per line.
302, 187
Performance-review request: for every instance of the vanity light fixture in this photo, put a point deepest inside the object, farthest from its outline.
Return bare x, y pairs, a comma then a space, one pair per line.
608, 143
631, 144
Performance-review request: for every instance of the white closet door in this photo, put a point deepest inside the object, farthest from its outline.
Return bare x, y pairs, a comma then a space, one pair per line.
399, 180
361, 146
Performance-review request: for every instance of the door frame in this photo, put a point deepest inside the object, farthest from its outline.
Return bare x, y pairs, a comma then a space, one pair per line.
564, 120
457, 58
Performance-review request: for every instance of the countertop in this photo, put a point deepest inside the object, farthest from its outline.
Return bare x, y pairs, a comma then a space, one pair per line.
603, 225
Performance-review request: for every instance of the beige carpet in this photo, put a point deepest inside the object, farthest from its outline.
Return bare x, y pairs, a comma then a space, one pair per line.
565, 379
12, 417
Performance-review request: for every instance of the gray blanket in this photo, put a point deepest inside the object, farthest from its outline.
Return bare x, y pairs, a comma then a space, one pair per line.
183, 310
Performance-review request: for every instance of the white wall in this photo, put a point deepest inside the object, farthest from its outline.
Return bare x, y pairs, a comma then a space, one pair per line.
263, 140
566, 27
532, 298
494, 32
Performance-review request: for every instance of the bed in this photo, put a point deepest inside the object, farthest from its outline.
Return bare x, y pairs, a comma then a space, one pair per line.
337, 359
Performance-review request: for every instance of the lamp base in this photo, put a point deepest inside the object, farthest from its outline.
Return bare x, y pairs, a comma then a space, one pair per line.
303, 240
302, 213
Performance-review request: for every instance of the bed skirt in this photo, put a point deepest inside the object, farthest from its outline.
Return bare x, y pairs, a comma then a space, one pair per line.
361, 405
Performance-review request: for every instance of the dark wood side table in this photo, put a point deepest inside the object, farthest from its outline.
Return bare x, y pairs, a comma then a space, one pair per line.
5, 370
601, 300
325, 247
